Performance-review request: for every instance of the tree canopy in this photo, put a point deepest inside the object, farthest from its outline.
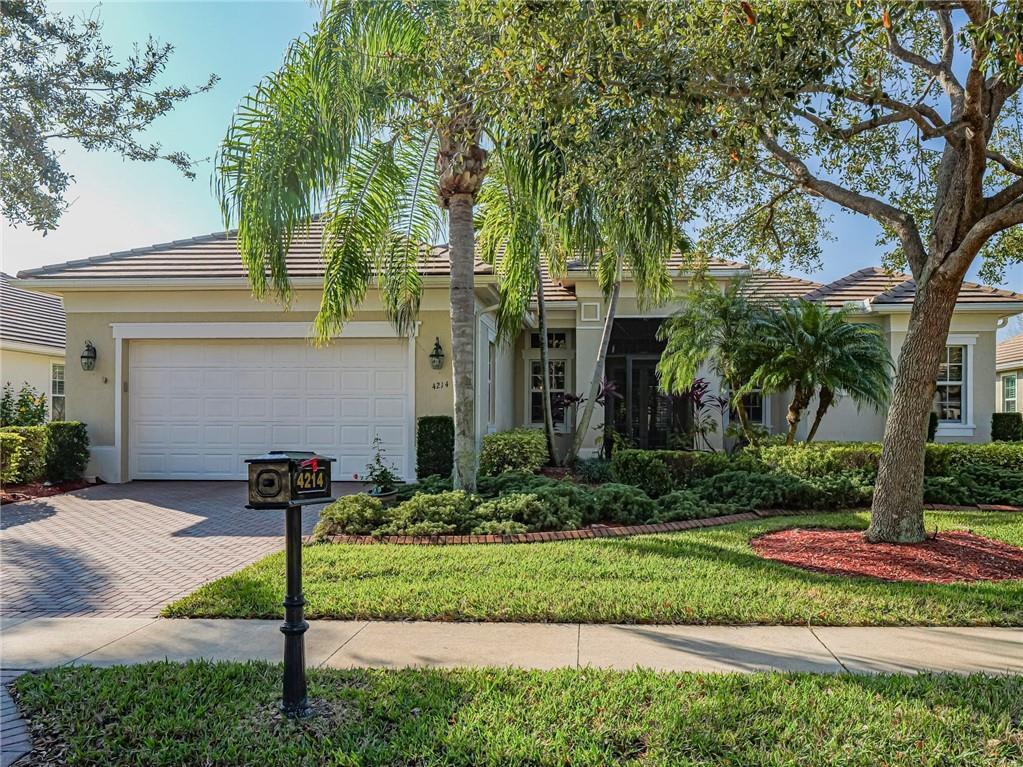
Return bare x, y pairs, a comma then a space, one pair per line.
60, 81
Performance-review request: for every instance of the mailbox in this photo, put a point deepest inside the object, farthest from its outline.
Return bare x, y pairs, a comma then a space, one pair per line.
284, 478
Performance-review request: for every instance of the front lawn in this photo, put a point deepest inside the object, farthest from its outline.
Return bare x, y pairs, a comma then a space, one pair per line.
224, 714
704, 576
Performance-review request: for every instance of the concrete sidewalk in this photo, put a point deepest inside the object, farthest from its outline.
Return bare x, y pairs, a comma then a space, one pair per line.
43, 642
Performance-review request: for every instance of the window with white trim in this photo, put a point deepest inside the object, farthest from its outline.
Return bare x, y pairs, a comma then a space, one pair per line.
57, 392
950, 395
753, 403
558, 381
1009, 382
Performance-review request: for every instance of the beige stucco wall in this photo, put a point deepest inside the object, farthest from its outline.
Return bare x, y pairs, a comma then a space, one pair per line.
18, 368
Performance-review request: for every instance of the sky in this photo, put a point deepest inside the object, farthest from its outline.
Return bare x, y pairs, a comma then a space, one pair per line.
118, 204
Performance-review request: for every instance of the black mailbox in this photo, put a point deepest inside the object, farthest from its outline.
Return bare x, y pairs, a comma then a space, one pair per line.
283, 478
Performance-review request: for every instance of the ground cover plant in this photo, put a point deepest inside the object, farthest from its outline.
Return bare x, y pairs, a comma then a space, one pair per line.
694, 577
204, 713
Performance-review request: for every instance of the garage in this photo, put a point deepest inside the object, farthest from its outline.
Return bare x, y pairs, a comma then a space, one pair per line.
197, 408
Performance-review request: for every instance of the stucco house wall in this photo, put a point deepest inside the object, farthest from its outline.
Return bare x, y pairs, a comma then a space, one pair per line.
34, 368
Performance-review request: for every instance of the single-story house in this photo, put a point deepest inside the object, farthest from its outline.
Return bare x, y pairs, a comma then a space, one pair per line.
1009, 372
32, 330
193, 374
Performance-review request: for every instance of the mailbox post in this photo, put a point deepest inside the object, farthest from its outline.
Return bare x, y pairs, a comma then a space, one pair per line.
290, 480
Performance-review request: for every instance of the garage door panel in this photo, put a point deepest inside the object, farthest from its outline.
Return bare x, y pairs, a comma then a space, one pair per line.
197, 409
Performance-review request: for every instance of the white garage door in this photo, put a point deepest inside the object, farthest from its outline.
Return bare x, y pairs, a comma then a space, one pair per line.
198, 409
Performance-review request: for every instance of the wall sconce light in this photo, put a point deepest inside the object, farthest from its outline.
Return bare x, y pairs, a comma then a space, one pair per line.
437, 355
89, 356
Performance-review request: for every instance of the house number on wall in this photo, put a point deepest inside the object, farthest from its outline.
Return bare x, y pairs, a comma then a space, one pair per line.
441, 384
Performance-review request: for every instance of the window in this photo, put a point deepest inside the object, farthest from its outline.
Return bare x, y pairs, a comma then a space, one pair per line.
556, 339
57, 392
1009, 393
492, 382
558, 381
754, 406
949, 400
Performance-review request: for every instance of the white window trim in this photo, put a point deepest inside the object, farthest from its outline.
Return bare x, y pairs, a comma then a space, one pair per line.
1015, 394
528, 355
765, 410
49, 401
966, 428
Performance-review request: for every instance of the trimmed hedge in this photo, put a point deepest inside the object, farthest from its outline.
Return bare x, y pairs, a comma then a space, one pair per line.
32, 461
358, 514
1007, 427
435, 445
820, 459
515, 450
10, 456
67, 450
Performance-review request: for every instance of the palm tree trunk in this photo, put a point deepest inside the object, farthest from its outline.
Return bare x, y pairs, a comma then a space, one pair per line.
897, 515
800, 399
545, 364
463, 300
583, 426
826, 397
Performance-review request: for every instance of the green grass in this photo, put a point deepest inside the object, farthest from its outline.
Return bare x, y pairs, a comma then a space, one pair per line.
224, 714
705, 576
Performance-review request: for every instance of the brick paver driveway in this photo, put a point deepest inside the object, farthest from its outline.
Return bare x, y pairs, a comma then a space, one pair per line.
128, 550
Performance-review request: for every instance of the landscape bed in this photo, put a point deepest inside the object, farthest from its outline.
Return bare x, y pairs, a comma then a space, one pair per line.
698, 577
226, 714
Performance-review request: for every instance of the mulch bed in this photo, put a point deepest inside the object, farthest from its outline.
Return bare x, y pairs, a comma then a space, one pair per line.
26, 492
948, 557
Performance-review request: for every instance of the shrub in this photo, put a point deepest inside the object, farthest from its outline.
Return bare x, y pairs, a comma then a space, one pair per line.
945, 460
435, 445
28, 408
511, 482
431, 485
580, 500
821, 459
536, 512
499, 527
358, 514
32, 463
1007, 427
986, 484
67, 450
593, 471
681, 505
839, 491
515, 450
945, 490
10, 456
436, 514
751, 490
644, 469
622, 504
689, 466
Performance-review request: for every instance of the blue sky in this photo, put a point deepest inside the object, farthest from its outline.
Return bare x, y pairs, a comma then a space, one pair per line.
118, 204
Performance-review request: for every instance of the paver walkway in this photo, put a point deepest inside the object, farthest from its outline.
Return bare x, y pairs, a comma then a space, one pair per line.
128, 550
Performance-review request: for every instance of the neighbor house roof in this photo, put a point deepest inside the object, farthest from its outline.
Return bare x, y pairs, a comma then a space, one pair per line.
769, 284
1009, 353
875, 285
30, 318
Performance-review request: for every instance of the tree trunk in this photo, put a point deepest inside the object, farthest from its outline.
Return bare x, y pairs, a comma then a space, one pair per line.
741, 414
463, 299
826, 397
545, 364
800, 399
896, 515
583, 426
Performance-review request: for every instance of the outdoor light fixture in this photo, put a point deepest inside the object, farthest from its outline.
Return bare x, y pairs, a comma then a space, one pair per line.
437, 355
89, 356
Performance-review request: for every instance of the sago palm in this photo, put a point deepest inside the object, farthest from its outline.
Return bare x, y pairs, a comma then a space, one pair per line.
371, 124
808, 347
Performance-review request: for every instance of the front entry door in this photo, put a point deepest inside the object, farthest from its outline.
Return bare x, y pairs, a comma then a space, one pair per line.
645, 416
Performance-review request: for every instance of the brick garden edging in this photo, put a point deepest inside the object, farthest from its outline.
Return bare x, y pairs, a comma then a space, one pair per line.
608, 532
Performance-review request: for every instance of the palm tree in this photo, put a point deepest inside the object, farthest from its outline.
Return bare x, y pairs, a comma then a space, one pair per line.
713, 327
366, 123
526, 226
808, 347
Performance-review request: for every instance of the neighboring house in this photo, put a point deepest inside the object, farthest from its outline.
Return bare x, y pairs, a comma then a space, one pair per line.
1009, 380
32, 343
193, 375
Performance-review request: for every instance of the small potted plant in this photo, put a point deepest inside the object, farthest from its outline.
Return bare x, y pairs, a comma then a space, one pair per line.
381, 475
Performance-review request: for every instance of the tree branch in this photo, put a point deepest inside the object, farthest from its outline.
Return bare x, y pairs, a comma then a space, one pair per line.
981, 232
901, 222
1005, 162
999, 200
941, 70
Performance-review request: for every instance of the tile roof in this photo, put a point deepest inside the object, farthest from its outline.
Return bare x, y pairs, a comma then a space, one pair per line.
30, 318
769, 284
881, 287
1009, 353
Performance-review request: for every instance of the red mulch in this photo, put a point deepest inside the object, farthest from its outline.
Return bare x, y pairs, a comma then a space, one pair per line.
949, 557
12, 493
555, 472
